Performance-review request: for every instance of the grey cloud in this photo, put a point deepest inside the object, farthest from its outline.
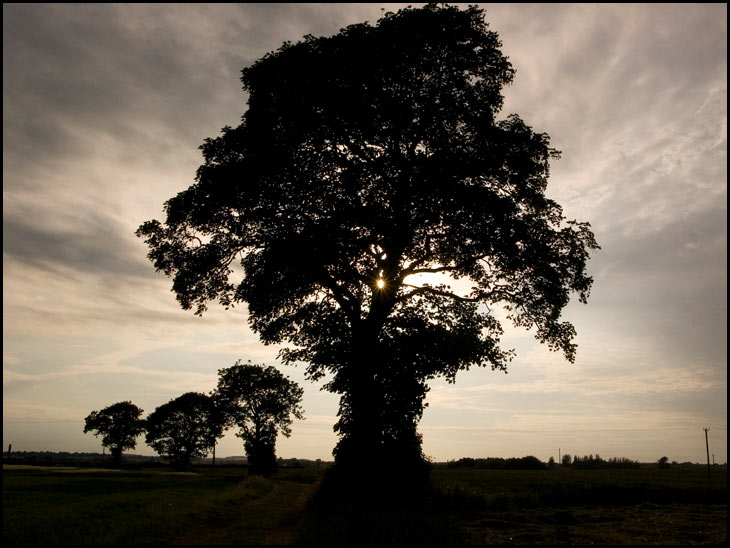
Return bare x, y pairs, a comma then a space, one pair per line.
669, 285
602, 67
94, 245
140, 74
98, 69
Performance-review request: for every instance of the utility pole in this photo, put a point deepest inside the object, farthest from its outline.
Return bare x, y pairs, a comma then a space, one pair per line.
707, 446
560, 460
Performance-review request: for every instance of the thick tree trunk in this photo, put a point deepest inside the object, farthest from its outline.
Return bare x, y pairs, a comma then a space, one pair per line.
359, 424
261, 454
379, 442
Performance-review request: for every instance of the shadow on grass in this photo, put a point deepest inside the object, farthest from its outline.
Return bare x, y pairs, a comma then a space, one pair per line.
377, 509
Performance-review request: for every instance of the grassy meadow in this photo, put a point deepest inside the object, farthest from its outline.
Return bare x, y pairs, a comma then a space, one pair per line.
68, 505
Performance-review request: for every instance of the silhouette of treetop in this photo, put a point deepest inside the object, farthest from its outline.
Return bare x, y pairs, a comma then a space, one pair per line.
118, 425
261, 402
185, 428
363, 159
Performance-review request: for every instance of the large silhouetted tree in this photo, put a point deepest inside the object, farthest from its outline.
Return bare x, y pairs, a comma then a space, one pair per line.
364, 159
119, 425
261, 402
185, 428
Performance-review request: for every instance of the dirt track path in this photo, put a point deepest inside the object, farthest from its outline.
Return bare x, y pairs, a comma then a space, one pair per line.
269, 520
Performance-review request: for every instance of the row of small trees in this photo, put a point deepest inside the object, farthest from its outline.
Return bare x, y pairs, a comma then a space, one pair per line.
533, 463
590, 462
257, 399
497, 463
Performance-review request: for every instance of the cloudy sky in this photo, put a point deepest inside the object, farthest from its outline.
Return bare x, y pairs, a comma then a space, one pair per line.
104, 107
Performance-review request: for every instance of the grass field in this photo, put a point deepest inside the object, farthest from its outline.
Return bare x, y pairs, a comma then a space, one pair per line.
623, 507
50, 505
57, 505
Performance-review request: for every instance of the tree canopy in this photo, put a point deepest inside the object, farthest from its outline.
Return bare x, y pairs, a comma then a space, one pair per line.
119, 425
185, 428
363, 159
261, 402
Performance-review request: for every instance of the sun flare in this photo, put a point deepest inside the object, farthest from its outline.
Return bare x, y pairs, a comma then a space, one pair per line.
381, 284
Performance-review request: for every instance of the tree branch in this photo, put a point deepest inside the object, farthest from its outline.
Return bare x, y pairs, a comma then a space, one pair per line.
345, 299
428, 289
409, 271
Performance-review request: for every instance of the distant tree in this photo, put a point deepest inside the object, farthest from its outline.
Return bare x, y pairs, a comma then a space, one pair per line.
589, 462
261, 402
464, 462
363, 160
119, 425
525, 463
185, 428
551, 462
622, 462
663, 462
566, 460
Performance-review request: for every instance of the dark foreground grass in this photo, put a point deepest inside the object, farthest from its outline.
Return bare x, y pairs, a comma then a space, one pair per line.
495, 489
476, 507
677, 506
55, 505
461, 506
